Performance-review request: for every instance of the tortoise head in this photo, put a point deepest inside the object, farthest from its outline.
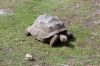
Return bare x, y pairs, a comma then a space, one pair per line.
63, 38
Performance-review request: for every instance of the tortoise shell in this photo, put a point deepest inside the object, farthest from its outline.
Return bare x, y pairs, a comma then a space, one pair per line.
46, 26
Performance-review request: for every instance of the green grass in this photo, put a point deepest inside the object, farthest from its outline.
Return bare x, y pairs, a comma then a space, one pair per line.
14, 44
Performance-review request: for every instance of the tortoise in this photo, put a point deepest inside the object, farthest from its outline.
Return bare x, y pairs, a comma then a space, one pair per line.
49, 29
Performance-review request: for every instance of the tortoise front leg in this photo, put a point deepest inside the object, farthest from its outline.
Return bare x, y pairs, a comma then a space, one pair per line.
54, 40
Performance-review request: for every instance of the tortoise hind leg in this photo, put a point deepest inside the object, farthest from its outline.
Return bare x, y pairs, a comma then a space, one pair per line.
28, 34
53, 40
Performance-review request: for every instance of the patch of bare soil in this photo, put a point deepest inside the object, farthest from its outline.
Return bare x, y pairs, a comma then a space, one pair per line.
89, 24
94, 21
5, 11
96, 2
96, 5
97, 12
84, 61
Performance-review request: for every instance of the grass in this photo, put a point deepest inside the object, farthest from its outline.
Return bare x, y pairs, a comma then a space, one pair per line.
14, 44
